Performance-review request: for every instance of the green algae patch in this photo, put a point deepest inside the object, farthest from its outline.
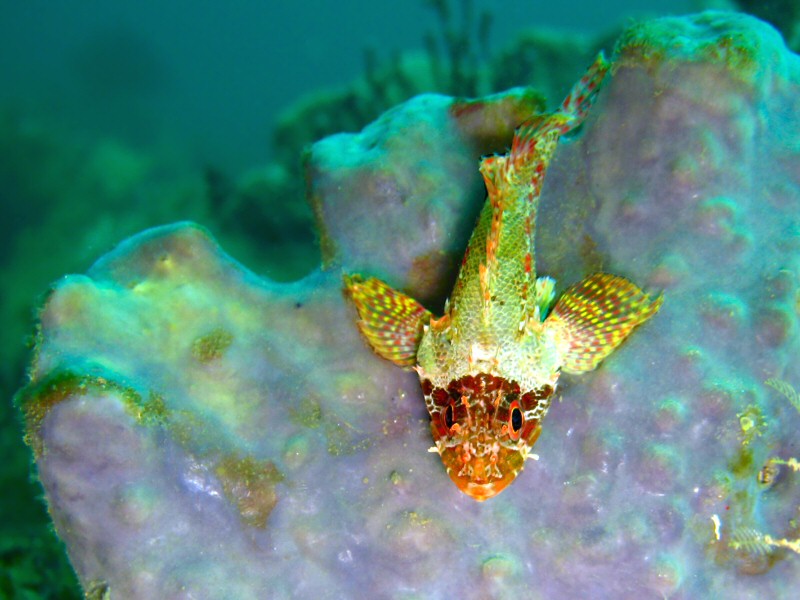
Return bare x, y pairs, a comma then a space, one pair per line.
97, 590
250, 485
212, 345
37, 399
340, 435
307, 413
152, 411
752, 423
342, 440
743, 463
703, 40
636, 45
736, 51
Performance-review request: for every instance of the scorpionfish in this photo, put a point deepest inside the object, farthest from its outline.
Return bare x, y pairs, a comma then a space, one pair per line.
489, 366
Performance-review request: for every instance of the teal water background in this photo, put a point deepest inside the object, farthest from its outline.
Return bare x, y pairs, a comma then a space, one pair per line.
214, 76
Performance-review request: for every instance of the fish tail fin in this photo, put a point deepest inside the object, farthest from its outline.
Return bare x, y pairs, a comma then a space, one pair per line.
577, 103
535, 140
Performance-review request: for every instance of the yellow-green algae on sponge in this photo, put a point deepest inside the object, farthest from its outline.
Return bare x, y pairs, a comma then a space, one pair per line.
211, 345
37, 400
706, 38
250, 484
270, 454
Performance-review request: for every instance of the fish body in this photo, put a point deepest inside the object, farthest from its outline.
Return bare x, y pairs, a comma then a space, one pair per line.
489, 366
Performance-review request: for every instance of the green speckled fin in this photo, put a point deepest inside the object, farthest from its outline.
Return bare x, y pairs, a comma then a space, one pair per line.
392, 322
594, 316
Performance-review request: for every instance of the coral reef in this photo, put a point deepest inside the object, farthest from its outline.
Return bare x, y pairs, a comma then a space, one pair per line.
69, 198
66, 199
784, 15
457, 60
748, 484
203, 432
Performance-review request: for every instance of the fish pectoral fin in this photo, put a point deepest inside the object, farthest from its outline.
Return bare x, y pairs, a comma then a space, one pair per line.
594, 316
391, 322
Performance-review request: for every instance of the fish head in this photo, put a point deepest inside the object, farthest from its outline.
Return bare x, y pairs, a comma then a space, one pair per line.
484, 427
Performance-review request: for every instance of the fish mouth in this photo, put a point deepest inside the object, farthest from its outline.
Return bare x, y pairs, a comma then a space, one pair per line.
481, 491
479, 477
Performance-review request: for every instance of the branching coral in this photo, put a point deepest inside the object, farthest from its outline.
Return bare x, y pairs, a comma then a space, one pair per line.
457, 61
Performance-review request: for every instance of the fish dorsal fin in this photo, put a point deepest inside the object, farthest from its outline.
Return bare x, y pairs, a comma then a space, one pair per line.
594, 316
391, 322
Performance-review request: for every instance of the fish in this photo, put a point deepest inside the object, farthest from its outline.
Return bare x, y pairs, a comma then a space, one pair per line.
489, 366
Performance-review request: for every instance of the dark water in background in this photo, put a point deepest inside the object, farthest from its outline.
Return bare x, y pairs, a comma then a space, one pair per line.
212, 76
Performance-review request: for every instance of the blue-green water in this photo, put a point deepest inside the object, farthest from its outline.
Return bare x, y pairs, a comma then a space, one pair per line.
213, 78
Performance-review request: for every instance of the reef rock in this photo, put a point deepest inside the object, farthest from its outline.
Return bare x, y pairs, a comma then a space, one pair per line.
204, 433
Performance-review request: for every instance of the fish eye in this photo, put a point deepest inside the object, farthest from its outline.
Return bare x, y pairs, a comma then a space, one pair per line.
515, 420
449, 418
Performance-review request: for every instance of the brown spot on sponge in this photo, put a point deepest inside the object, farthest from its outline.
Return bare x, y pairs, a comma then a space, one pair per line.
250, 485
433, 273
308, 413
489, 123
212, 345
